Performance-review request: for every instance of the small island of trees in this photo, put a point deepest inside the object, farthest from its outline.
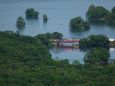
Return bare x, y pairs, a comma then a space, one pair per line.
31, 13
111, 18
20, 22
78, 24
99, 13
94, 41
45, 18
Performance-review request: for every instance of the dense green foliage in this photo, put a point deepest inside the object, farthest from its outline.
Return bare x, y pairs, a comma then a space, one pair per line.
94, 41
111, 18
57, 35
97, 13
20, 22
45, 18
31, 13
97, 56
78, 24
45, 38
113, 10
54, 35
26, 61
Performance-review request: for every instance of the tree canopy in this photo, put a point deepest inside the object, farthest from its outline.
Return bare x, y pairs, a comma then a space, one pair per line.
113, 10
20, 22
94, 41
97, 56
97, 13
31, 13
26, 61
78, 24
45, 18
111, 18
57, 35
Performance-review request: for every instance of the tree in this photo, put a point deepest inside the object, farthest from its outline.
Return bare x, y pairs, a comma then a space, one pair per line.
94, 41
97, 13
49, 35
45, 18
97, 56
113, 10
20, 22
31, 13
76, 62
111, 18
90, 11
78, 24
43, 38
57, 35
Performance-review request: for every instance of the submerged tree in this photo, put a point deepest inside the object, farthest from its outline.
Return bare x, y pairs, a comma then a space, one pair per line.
20, 22
78, 24
45, 18
31, 13
97, 13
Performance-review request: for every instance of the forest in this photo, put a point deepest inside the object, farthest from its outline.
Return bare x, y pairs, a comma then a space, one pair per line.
26, 61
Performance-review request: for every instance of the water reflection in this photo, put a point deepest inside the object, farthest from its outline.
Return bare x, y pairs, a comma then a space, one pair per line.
73, 53
112, 52
97, 23
56, 11
101, 23
79, 34
32, 20
77, 31
67, 52
62, 48
20, 30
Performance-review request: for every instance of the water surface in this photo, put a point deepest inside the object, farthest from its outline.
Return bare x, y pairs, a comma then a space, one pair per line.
59, 13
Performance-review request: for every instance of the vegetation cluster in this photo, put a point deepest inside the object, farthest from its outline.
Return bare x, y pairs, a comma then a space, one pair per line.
26, 61
20, 22
45, 18
31, 13
97, 56
94, 41
99, 13
78, 24
98, 53
45, 38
